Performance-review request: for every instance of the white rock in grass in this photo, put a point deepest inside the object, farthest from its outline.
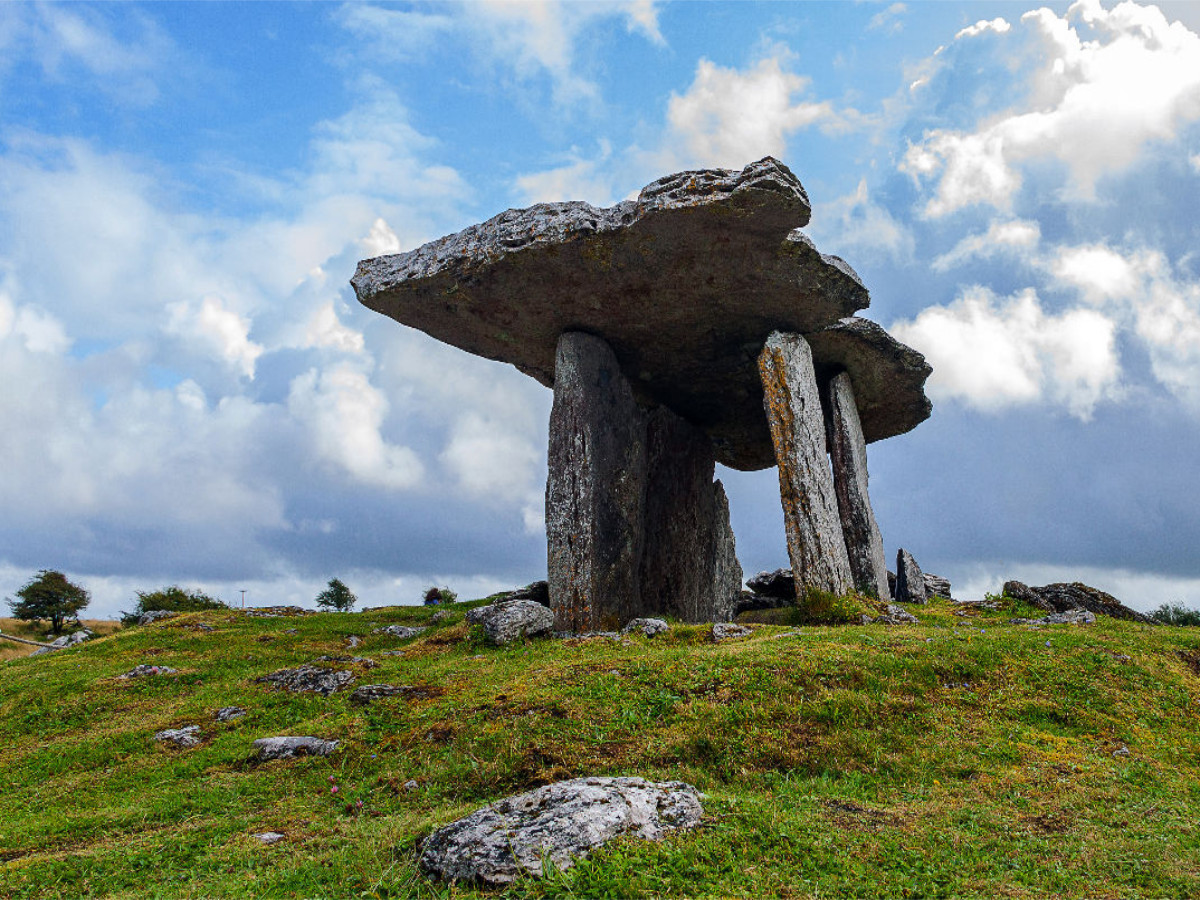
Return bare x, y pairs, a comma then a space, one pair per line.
559, 823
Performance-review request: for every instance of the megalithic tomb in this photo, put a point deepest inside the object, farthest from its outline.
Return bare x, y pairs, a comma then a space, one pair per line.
697, 324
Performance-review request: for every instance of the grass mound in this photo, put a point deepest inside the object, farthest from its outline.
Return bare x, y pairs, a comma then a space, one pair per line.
959, 757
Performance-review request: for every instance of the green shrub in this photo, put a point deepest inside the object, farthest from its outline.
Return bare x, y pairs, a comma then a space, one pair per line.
1176, 614
51, 597
172, 598
436, 595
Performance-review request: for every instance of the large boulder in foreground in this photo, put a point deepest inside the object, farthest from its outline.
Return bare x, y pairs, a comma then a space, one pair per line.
559, 823
685, 283
1061, 597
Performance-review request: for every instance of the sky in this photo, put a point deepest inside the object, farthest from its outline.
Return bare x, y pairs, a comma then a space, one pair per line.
190, 393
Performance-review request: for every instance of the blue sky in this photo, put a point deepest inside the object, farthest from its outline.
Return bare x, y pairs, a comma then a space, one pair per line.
191, 393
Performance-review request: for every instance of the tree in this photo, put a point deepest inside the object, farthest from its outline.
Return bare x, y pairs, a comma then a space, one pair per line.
51, 597
173, 598
337, 596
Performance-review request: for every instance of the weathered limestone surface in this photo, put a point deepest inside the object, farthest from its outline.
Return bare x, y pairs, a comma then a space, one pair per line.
1063, 597
793, 405
689, 564
559, 823
595, 490
848, 453
910, 582
685, 284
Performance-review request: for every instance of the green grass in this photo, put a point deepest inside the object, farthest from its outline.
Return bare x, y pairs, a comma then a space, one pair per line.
961, 757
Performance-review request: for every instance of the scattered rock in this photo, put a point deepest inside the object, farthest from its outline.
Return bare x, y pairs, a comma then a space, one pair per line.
896, 615
559, 823
154, 615
404, 632
274, 612
353, 641
440, 616
288, 747
585, 635
724, 631
750, 601
1121, 751
269, 837
145, 670
291, 631
183, 738
648, 627
371, 692
308, 679
410, 785
364, 661
910, 581
1070, 617
778, 584
66, 640
1062, 597
507, 620
228, 713
537, 591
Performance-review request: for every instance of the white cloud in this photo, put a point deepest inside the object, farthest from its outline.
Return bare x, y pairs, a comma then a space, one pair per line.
853, 225
1012, 236
489, 460
344, 412
1195, 161
1144, 591
380, 240
326, 330
220, 328
1094, 106
997, 25
729, 117
889, 19
38, 330
1139, 288
993, 355
580, 179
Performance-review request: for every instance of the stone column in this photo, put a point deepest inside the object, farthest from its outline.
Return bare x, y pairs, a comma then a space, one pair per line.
848, 452
689, 565
595, 491
793, 405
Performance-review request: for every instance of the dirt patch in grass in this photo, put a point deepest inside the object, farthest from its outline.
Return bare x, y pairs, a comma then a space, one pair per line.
1191, 659
850, 815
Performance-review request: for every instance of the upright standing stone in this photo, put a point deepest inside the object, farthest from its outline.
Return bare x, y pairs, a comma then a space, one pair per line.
910, 582
848, 452
727, 573
688, 557
596, 488
793, 406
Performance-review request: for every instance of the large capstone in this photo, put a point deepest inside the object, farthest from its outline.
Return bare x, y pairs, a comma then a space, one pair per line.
558, 824
689, 563
793, 404
595, 489
848, 453
685, 283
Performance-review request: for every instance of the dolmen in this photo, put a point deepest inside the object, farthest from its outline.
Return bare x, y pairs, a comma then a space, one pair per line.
696, 324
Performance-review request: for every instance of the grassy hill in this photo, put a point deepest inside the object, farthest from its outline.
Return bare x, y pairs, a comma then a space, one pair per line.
959, 757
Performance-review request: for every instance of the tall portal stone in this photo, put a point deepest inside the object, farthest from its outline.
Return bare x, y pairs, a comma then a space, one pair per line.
848, 453
793, 406
688, 560
596, 488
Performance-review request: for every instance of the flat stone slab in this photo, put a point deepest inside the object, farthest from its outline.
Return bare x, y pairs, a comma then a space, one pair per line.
308, 679
290, 746
559, 823
685, 283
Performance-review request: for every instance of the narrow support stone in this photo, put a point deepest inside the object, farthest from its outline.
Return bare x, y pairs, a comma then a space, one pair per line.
793, 406
595, 491
689, 565
910, 580
848, 452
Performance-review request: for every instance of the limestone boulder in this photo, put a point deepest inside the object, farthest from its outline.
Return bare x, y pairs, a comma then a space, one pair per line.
779, 583
404, 632
154, 615
1061, 597
725, 631
510, 620
183, 738
290, 746
647, 626
308, 679
936, 586
560, 824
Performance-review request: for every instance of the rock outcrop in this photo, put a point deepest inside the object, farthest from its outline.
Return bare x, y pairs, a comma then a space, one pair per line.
64, 641
404, 632
779, 583
1063, 597
308, 680
560, 824
793, 403
184, 738
910, 581
508, 620
289, 746
724, 631
647, 627
936, 586
154, 615
145, 670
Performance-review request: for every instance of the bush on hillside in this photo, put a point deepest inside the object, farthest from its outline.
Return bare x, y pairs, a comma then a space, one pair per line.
436, 596
173, 599
1176, 614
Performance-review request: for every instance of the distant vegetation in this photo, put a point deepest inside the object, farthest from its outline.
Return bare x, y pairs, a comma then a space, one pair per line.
436, 595
49, 597
1176, 614
172, 598
336, 597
